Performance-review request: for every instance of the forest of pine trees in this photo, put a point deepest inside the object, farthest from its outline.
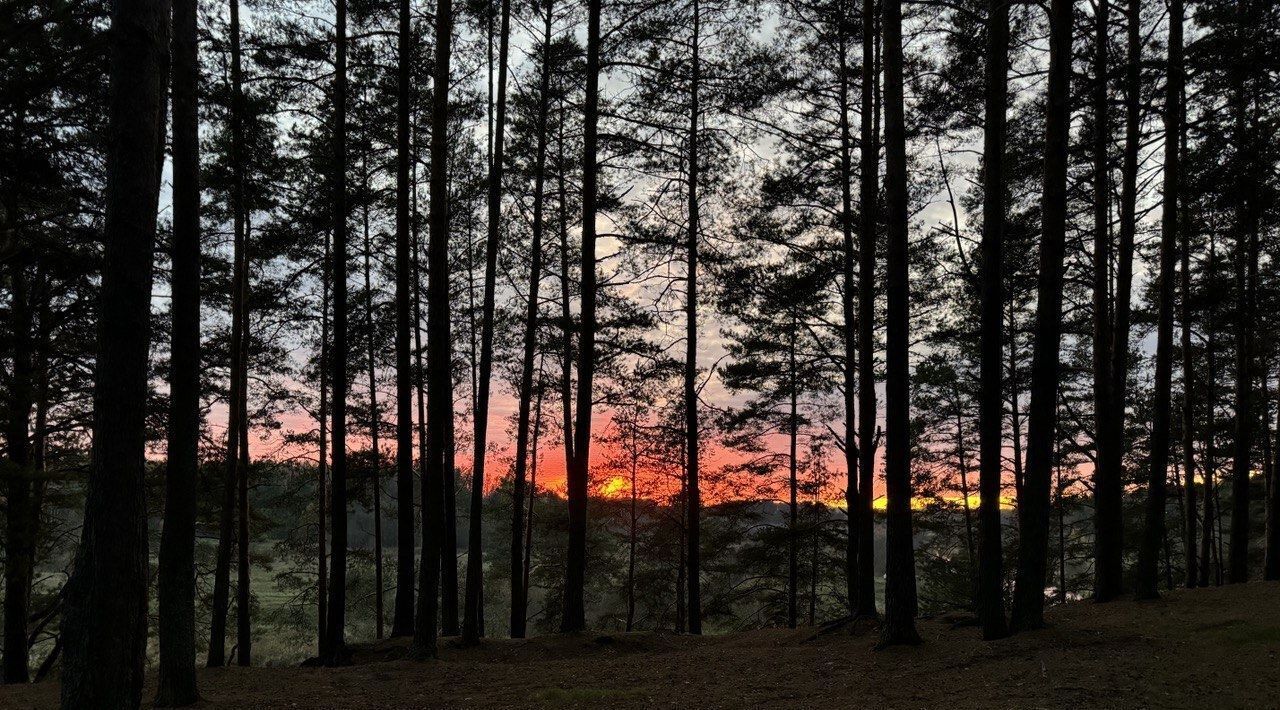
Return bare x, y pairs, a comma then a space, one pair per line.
324, 322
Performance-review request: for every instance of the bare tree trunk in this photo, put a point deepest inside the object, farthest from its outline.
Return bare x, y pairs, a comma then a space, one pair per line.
1246, 265
104, 624
574, 618
1188, 368
850, 369
1154, 530
990, 601
22, 514
238, 380
694, 498
900, 578
1107, 486
176, 578
333, 651
1033, 507
473, 613
402, 615
518, 591
375, 421
868, 195
440, 360
793, 483
322, 456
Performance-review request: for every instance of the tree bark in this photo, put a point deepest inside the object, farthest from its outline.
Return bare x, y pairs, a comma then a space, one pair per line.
176, 577
694, 498
868, 195
900, 578
1246, 266
333, 651
439, 356
402, 615
990, 602
104, 625
473, 612
574, 618
518, 590
1154, 530
22, 514
1107, 485
848, 308
1033, 505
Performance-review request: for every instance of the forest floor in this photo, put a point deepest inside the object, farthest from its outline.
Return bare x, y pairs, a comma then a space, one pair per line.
1207, 648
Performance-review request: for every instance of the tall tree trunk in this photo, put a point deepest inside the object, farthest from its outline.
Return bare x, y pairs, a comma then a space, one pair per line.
176, 577
1271, 559
631, 536
793, 483
868, 195
850, 325
1033, 506
104, 625
900, 578
1154, 531
566, 318
694, 499
1188, 368
439, 356
402, 615
322, 456
333, 650
1107, 486
237, 380
473, 613
375, 421
22, 512
574, 618
1246, 265
990, 602
533, 494
1207, 548
518, 591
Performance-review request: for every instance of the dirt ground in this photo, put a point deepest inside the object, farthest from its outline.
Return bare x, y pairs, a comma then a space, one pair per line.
1210, 648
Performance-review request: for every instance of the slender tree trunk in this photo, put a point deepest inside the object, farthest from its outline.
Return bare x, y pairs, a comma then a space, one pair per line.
848, 308
1207, 548
473, 613
402, 615
176, 578
793, 483
1246, 265
375, 423
518, 591
533, 494
566, 318
1107, 486
1188, 367
1271, 559
1154, 530
22, 511
900, 578
322, 456
574, 618
694, 499
990, 602
238, 380
868, 195
440, 360
104, 624
244, 638
334, 649
631, 537
1033, 507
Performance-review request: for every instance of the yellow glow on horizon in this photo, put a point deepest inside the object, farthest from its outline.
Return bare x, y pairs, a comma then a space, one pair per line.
615, 487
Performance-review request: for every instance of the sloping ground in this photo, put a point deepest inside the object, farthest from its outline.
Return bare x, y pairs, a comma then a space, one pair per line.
1211, 648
